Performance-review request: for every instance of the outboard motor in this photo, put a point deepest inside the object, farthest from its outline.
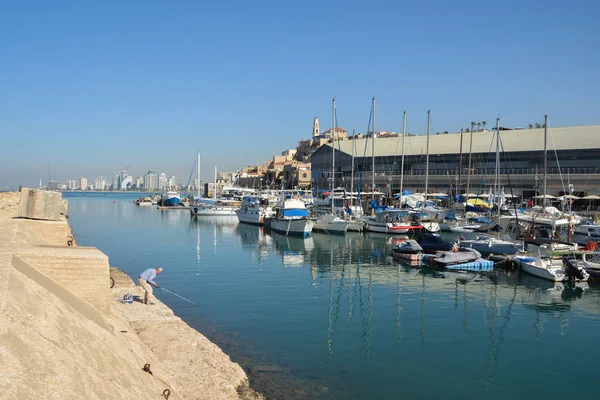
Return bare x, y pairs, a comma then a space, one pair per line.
572, 269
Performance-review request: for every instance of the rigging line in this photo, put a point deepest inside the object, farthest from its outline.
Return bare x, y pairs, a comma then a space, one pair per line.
510, 187
336, 123
362, 170
191, 174
485, 166
588, 181
562, 182
395, 155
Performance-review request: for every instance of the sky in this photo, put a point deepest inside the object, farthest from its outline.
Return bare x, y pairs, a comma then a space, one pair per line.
88, 88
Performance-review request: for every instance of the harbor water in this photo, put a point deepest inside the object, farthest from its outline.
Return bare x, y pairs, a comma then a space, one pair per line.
336, 317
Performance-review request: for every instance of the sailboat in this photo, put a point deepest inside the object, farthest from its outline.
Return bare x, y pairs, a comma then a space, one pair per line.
432, 211
213, 207
354, 211
330, 223
486, 244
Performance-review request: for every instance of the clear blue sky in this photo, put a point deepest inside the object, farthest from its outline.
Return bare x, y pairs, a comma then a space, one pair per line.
90, 87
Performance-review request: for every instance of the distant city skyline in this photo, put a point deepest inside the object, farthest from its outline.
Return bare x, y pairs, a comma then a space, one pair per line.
144, 85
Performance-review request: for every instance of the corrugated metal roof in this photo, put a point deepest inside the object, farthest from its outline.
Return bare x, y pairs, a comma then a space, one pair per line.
565, 138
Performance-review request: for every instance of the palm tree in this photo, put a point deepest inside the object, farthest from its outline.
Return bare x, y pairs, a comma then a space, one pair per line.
484, 124
530, 126
478, 126
538, 125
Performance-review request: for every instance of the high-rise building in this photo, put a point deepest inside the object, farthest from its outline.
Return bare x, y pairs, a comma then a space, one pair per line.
151, 180
171, 182
72, 185
83, 183
162, 181
53, 185
100, 183
139, 183
116, 181
126, 182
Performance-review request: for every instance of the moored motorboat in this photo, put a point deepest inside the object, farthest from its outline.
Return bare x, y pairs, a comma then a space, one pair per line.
389, 221
432, 243
330, 224
407, 250
254, 210
460, 260
292, 219
215, 208
551, 269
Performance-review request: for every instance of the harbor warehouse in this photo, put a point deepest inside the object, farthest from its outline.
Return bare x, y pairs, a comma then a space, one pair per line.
573, 157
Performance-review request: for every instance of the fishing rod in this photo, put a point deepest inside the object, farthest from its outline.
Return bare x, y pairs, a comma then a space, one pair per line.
175, 294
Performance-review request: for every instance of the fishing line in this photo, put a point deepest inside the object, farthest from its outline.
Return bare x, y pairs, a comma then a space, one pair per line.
175, 294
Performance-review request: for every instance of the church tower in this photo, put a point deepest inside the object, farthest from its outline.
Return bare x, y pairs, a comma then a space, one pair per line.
316, 127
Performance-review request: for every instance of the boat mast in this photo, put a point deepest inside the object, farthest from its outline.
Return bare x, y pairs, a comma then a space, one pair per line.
402, 162
373, 155
332, 153
470, 153
545, 159
427, 157
497, 183
460, 163
198, 177
215, 193
352, 173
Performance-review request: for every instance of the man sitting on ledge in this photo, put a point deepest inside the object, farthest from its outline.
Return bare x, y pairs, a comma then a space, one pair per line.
146, 279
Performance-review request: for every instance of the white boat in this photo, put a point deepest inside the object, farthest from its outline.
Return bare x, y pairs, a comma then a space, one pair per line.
144, 201
212, 208
292, 219
389, 221
551, 269
355, 225
330, 224
430, 226
585, 233
435, 212
254, 210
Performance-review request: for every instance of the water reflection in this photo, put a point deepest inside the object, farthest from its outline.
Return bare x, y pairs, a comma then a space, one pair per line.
349, 314
295, 251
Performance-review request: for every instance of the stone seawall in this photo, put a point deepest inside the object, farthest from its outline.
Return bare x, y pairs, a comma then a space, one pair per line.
64, 334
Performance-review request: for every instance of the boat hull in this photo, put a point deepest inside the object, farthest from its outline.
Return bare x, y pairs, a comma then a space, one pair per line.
355, 226
292, 227
527, 265
334, 227
171, 202
212, 211
407, 256
252, 217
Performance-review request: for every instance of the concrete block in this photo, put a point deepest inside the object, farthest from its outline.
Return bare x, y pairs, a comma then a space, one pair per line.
42, 204
84, 271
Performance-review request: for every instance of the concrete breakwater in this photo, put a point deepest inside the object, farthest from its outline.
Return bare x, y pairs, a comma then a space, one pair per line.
64, 334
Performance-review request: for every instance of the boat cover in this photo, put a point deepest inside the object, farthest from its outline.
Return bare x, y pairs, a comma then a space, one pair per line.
408, 246
295, 212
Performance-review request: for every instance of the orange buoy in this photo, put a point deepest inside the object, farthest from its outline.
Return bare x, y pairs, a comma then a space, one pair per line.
114, 201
